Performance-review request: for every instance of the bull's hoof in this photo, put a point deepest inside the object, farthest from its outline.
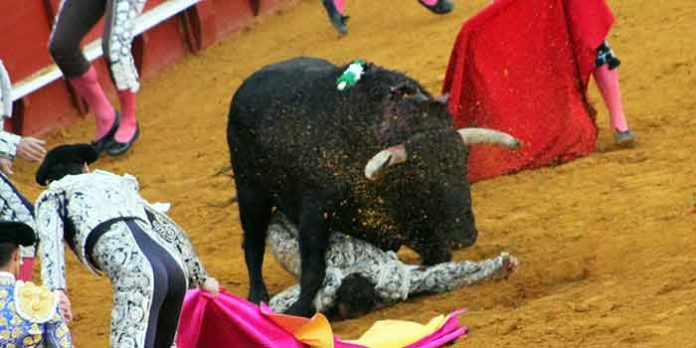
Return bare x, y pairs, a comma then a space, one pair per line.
300, 310
258, 296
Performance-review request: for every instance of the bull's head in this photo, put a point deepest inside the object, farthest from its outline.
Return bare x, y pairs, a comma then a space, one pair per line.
397, 154
424, 166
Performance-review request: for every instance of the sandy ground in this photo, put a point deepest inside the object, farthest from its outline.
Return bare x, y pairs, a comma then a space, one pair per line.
606, 243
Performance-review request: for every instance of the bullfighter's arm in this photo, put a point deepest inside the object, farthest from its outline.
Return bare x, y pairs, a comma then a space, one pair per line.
14, 205
49, 229
286, 298
448, 276
8, 143
325, 299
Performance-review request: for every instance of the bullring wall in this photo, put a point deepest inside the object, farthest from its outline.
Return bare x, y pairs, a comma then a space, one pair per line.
25, 27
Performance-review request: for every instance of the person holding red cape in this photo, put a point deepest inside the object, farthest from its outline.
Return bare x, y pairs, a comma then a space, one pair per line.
523, 67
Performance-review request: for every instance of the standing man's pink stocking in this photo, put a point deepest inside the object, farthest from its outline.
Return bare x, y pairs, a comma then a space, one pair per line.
87, 86
341, 6
608, 83
128, 121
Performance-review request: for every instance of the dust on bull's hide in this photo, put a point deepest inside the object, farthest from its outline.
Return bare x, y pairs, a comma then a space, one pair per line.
380, 161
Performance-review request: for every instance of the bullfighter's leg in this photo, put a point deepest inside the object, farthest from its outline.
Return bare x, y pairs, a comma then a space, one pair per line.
116, 44
255, 207
448, 276
73, 21
314, 240
148, 283
607, 77
335, 9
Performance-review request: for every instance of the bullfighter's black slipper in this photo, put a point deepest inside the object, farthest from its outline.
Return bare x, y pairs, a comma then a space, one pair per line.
441, 7
116, 148
104, 141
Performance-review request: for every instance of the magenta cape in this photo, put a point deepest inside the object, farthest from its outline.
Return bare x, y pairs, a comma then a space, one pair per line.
227, 320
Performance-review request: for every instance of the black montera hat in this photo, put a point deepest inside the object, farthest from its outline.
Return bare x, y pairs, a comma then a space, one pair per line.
57, 158
16, 232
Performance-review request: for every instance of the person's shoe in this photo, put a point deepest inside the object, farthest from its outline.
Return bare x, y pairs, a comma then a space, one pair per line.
103, 142
624, 139
441, 6
340, 22
115, 148
337, 19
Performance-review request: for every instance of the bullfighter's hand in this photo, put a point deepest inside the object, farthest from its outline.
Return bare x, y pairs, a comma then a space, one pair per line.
65, 307
6, 166
31, 149
211, 285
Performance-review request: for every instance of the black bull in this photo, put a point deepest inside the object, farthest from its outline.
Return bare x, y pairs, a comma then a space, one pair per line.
380, 161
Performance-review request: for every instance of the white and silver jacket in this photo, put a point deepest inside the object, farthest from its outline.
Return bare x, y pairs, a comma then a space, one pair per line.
15, 207
394, 280
81, 203
175, 237
345, 255
8, 141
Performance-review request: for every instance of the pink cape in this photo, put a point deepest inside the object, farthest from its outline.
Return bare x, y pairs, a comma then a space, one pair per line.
227, 320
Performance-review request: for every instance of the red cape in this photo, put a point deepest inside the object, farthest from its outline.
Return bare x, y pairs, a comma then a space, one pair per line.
522, 66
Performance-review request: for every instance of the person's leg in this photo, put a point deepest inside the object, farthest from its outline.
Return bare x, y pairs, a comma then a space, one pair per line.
170, 288
336, 10
173, 237
74, 19
135, 284
116, 41
170, 311
607, 77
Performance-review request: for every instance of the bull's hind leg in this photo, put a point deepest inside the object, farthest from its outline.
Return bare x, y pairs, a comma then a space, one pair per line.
255, 207
314, 240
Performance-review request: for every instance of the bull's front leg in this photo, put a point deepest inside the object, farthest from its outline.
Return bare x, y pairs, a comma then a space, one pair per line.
314, 240
432, 249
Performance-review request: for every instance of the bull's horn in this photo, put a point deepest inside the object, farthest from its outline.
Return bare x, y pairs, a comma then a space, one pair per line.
385, 158
472, 136
443, 98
